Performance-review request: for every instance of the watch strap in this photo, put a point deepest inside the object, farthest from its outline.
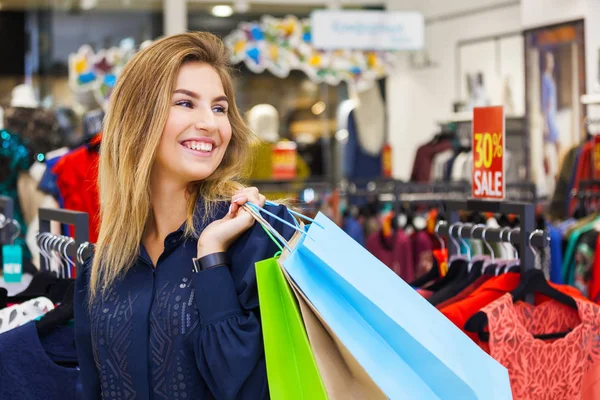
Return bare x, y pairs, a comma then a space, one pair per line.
210, 261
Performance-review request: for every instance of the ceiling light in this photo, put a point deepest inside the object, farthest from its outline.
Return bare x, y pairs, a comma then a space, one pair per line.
222, 11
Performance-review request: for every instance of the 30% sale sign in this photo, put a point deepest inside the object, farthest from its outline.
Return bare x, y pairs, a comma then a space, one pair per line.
488, 153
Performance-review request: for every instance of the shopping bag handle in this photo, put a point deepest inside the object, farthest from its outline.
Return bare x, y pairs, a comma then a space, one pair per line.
292, 212
272, 232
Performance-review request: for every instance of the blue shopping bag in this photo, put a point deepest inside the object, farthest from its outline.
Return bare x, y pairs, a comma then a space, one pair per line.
410, 350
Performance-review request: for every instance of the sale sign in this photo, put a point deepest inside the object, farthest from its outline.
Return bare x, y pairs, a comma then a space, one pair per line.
596, 157
488, 153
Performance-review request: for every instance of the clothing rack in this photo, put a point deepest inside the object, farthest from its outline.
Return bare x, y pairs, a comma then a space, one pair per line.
79, 249
586, 191
522, 237
7, 208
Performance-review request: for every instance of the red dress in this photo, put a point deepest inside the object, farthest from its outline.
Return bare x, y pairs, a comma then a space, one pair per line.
562, 369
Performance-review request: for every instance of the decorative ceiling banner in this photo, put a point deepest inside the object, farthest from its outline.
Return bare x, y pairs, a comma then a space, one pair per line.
93, 75
282, 45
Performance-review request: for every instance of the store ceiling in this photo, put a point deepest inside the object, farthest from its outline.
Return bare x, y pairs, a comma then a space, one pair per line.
256, 6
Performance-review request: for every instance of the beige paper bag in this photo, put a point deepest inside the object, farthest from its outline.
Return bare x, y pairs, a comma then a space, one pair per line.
343, 376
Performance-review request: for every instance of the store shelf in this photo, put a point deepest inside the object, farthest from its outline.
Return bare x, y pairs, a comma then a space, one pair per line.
590, 98
467, 116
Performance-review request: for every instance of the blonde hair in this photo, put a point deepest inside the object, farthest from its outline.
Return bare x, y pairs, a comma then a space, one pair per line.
134, 123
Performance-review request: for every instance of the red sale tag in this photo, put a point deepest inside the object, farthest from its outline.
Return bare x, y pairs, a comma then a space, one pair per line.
596, 157
488, 153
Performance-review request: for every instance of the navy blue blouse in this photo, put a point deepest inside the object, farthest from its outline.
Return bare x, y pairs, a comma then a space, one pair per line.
169, 333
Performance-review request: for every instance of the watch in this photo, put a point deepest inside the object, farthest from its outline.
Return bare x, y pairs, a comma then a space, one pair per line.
210, 261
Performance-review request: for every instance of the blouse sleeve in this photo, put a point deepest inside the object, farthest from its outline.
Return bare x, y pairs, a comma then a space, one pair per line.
230, 353
83, 339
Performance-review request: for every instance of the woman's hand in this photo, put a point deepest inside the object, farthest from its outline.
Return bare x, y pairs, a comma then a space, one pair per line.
220, 234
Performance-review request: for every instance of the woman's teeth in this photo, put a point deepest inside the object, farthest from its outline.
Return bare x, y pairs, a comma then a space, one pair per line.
199, 146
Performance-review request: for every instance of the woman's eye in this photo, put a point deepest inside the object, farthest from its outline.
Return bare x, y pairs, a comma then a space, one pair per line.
184, 103
220, 109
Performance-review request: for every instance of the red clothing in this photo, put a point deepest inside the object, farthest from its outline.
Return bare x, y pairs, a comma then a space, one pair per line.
594, 284
466, 291
422, 252
77, 180
395, 252
460, 312
421, 171
561, 369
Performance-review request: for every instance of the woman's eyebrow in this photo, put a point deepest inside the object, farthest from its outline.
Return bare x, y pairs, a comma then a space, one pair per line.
196, 96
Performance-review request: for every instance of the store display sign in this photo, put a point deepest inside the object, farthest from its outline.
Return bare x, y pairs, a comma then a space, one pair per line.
488, 153
284, 161
367, 30
596, 157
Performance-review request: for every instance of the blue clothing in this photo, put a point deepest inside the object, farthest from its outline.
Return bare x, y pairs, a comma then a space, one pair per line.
358, 164
352, 227
170, 333
556, 257
28, 368
549, 106
48, 183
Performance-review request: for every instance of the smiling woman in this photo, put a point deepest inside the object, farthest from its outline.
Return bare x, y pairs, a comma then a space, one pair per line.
168, 308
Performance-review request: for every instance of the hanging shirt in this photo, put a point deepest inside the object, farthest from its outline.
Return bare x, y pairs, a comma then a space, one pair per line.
568, 268
395, 252
563, 369
584, 261
460, 312
28, 368
166, 332
353, 228
583, 171
421, 171
359, 164
77, 180
555, 254
594, 286
422, 252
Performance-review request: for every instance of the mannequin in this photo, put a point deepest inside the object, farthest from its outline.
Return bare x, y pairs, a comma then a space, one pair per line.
23, 96
361, 125
370, 120
263, 119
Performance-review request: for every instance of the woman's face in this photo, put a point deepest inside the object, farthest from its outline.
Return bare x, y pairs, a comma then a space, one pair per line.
197, 131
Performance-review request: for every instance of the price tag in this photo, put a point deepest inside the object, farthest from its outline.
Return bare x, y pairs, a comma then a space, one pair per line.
488, 153
596, 157
12, 263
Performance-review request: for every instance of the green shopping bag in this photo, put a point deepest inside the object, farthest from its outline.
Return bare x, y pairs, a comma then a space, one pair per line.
291, 367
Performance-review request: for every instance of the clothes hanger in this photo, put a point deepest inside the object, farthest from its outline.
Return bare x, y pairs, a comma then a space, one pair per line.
532, 281
65, 311
48, 284
461, 281
457, 268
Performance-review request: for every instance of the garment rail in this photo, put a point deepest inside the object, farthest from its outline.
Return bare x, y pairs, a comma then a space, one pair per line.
523, 238
588, 191
78, 247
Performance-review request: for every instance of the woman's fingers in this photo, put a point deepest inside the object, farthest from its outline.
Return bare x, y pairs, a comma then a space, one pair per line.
241, 197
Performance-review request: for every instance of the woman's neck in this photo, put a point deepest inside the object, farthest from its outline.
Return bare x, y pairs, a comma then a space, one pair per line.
169, 207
